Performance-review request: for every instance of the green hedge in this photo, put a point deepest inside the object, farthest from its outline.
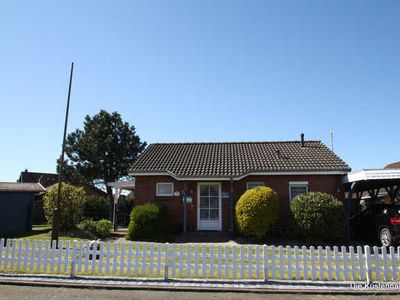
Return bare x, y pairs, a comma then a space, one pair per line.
318, 216
96, 207
147, 222
256, 210
101, 229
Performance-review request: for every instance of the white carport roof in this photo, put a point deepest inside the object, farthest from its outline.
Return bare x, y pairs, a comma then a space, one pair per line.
372, 174
123, 185
372, 179
375, 182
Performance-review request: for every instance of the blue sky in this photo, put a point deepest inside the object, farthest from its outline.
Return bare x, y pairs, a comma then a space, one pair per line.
202, 71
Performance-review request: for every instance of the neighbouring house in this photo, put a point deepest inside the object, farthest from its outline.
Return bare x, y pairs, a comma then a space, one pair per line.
16, 204
46, 180
213, 176
394, 165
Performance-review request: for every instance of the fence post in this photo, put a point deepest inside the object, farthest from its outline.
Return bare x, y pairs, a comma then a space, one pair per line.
1, 249
367, 254
265, 265
73, 258
72, 274
166, 261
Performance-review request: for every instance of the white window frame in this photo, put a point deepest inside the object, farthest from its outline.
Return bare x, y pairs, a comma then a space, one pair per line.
260, 183
164, 195
297, 184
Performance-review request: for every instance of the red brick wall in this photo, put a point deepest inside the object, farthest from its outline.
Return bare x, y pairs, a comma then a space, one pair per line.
316, 183
145, 191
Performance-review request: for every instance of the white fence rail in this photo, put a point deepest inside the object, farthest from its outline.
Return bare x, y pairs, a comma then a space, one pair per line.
156, 260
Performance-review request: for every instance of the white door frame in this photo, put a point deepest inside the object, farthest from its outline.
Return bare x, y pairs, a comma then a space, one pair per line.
219, 203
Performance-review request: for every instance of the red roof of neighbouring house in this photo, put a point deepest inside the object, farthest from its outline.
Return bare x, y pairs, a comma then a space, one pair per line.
395, 165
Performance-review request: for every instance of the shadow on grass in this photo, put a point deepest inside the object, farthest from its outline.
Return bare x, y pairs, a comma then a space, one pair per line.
220, 237
36, 230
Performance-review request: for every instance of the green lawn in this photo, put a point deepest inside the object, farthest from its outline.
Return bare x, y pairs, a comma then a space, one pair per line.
41, 232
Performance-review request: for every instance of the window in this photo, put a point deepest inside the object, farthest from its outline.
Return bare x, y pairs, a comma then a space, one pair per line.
253, 184
165, 189
296, 188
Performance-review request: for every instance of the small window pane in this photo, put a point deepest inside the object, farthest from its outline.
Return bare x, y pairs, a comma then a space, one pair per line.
214, 202
214, 190
165, 189
204, 190
204, 214
214, 214
296, 190
204, 202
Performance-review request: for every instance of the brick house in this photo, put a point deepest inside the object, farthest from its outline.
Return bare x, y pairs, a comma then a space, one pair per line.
199, 183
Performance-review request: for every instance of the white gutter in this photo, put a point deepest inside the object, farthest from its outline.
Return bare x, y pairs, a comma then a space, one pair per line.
238, 177
44, 189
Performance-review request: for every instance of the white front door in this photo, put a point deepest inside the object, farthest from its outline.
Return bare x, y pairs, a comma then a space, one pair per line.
209, 206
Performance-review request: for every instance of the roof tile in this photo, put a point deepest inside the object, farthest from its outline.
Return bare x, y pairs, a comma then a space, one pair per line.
236, 159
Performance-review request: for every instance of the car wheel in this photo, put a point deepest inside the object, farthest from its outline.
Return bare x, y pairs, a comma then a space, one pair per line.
386, 237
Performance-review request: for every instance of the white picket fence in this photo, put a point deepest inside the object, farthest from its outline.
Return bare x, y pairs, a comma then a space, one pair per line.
167, 261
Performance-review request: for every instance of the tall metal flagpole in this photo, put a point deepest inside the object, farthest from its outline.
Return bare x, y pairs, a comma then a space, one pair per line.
56, 214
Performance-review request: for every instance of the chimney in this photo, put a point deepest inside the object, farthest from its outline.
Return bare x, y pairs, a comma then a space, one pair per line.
302, 140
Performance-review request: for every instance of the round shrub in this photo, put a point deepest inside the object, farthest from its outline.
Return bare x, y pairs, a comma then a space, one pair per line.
87, 225
71, 208
101, 229
318, 216
256, 210
148, 222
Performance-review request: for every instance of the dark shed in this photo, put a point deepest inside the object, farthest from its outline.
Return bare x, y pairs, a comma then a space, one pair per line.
16, 203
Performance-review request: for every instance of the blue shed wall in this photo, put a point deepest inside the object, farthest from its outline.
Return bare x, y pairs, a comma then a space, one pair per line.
15, 212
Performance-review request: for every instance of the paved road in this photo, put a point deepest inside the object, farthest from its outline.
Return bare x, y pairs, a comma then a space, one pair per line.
32, 293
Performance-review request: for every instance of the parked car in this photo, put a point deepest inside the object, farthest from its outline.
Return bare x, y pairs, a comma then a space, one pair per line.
380, 221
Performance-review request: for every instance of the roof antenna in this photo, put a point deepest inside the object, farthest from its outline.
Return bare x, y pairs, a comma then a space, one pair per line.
331, 134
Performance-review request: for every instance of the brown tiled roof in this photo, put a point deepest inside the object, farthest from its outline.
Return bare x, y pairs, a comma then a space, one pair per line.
21, 187
237, 159
45, 179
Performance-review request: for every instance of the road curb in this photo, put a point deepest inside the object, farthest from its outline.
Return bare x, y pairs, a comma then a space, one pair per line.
180, 288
